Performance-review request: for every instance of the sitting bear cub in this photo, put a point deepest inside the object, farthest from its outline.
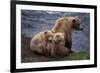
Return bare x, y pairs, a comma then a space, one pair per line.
39, 41
59, 45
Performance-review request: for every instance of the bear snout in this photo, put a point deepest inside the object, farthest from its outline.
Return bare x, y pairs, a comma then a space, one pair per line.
50, 39
81, 28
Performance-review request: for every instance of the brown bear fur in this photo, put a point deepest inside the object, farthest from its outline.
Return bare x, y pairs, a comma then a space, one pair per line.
39, 41
59, 42
55, 46
49, 47
64, 25
49, 44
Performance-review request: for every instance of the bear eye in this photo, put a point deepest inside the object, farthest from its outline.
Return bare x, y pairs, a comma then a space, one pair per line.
73, 20
57, 36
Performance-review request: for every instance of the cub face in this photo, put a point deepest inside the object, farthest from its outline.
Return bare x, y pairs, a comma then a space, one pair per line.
59, 38
48, 36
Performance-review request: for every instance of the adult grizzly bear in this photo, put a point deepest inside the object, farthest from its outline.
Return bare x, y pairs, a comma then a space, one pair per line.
65, 25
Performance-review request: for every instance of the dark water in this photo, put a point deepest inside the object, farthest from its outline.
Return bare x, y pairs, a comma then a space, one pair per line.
33, 22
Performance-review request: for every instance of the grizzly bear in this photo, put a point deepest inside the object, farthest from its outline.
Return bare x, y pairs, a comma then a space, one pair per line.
59, 45
65, 25
38, 42
49, 46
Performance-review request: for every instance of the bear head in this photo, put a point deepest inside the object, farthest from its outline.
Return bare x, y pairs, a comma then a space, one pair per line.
48, 36
59, 38
76, 23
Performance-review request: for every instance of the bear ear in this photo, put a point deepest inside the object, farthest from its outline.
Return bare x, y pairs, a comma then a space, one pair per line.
63, 35
74, 20
52, 31
57, 36
45, 32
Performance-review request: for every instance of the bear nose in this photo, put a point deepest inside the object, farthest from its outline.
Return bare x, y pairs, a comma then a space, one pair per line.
81, 29
50, 39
